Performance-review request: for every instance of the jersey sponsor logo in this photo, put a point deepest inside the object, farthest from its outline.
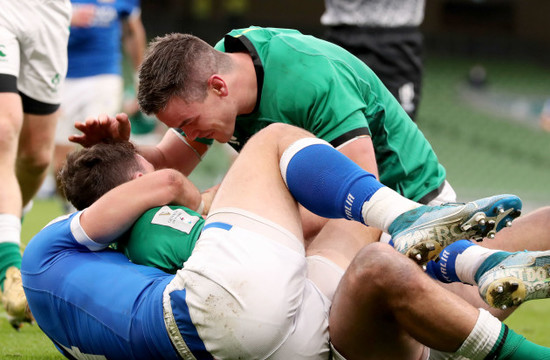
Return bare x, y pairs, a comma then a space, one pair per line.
104, 15
177, 219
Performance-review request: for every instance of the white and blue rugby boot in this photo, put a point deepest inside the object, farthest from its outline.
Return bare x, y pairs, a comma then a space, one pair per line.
423, 232
508, 279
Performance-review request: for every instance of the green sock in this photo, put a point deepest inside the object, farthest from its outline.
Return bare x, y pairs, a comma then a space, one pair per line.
512, 346
10, 255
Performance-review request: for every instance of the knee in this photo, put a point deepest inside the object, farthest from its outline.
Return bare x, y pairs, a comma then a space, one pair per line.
272, 133
381, 267
34, 160
10, 128
281, 134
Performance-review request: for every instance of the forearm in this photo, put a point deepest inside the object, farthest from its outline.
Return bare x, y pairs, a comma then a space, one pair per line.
115, 212
153, 155
175, 153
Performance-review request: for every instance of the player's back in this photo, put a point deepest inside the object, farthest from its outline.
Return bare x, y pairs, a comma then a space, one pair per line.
94, 302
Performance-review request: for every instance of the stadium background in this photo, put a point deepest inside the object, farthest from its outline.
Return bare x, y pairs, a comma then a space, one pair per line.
485, 128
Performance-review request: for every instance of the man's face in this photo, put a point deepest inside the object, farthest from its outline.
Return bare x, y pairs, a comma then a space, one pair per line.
212, 119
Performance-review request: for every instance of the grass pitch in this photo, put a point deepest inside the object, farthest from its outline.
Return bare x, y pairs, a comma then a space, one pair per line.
484, 154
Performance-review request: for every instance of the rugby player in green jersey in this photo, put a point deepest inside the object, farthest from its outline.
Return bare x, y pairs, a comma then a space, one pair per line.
258, 76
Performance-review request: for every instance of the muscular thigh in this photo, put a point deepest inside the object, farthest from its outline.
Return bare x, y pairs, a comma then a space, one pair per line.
254, 182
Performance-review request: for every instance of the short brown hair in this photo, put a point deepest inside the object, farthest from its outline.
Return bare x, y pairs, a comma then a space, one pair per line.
89, 173
177, 65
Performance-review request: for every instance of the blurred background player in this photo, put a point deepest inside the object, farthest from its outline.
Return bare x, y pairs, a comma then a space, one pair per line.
385, 35
33, 64
95, 81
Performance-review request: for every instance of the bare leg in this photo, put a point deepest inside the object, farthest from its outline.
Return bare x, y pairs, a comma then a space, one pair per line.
331, 252
11, 120
340, 240
529, 232
36, 145
383, 297
254, 181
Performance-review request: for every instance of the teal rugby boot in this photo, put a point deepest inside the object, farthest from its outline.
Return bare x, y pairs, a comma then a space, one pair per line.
423, 232
508, 279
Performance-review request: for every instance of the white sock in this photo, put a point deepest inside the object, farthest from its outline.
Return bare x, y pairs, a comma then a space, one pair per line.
384, 206
10, 229
483, 337
467, 263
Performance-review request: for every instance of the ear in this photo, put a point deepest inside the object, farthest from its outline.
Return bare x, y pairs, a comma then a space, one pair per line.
137, 174
218, 85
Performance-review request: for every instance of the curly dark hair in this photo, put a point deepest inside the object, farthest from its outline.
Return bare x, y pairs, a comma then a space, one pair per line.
89, 173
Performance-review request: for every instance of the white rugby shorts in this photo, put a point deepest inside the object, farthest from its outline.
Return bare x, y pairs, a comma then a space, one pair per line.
33, 44
245, 290
85, 97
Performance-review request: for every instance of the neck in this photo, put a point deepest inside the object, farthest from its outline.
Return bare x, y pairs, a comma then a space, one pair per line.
244, 82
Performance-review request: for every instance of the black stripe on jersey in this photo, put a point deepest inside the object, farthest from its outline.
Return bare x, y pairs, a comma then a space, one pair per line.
349, 136
240, 44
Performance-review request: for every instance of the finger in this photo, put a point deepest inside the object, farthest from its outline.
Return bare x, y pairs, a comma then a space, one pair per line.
124, 126
105, 120
79, 126
91, 121
122, 117
78, 139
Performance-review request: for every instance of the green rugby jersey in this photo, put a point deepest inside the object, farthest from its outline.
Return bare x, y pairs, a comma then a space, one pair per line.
320, 87
163, 237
